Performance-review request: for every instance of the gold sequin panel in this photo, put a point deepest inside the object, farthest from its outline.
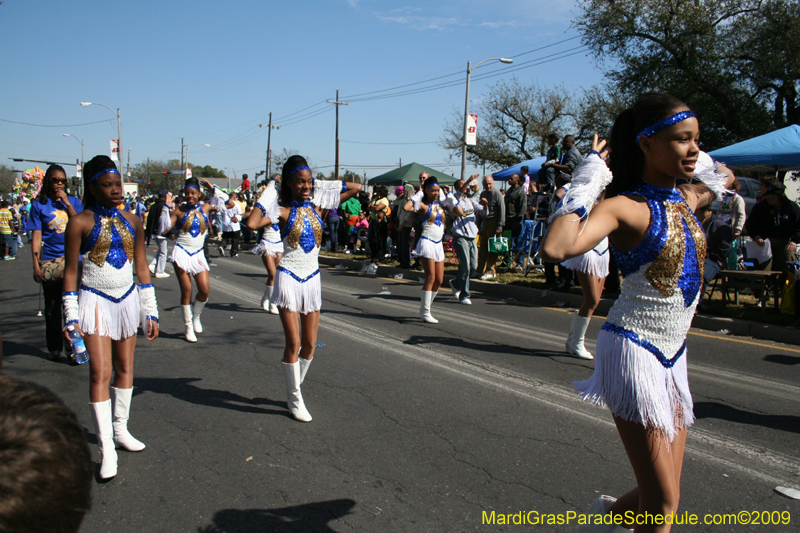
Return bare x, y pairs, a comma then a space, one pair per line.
665, 271
297, 228
103, 246
435, 209
187, 226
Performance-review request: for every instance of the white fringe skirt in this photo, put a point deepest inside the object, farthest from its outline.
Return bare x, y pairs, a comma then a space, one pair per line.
297, 295
430, 249
592, 262
191, 262
98, 314
269, 248
636, 387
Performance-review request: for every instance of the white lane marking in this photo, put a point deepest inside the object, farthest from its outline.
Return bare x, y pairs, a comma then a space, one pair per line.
701, 443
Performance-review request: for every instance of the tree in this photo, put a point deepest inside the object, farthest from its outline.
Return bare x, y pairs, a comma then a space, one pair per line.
7, 176
514, 121
206, 172
724, 58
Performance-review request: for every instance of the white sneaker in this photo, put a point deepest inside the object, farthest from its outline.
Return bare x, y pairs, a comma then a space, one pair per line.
152, 269
486, 276
162, 275
456, 292
221, 251
465, 301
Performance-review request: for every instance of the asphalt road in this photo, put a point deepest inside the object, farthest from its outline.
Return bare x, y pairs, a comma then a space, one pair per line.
416, 427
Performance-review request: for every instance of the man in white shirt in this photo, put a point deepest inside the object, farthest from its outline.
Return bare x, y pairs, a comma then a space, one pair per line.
464, 232
231, 219
161, 225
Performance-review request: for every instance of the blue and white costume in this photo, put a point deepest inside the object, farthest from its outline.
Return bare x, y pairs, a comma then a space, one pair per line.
640, 370
297, 282
429, 245
108, 302
593, 262
271, 241
187, 254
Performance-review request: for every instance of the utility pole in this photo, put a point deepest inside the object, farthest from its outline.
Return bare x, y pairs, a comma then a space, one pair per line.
182, 157
148, 170
129, 163
337, 103
269, 141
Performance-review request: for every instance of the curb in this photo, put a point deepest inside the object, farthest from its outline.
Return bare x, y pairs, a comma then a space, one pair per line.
733, 326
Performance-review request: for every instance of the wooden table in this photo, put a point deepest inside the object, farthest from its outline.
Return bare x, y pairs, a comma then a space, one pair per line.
755, 280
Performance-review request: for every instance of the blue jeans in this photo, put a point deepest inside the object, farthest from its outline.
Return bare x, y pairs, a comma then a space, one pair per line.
333, 233
467, 254
11, 242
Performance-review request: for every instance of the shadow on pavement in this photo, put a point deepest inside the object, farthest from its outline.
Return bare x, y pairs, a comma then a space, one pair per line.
454, 344
183, 389
783, 359
732, 414
309, 518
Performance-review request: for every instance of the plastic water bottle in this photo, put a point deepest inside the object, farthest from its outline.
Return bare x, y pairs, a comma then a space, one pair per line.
78, 347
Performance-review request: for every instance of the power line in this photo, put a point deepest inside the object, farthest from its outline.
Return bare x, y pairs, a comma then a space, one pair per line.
59, 126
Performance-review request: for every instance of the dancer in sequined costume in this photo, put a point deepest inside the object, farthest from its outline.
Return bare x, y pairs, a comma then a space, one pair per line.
270, 248
298, 292
640, 370
107, 308
187, 255
431, 205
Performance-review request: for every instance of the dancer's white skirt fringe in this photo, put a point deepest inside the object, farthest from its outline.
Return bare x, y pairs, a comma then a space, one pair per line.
295, 296
193, 264
591, 263
101, 316
431, 250
636, 387
269, 248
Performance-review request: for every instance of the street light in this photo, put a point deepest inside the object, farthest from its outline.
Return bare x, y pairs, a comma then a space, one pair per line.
269, 138
80, 141
187, 153
119, 131
466, 110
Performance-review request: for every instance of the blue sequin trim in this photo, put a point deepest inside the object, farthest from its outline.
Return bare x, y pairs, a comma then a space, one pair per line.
70, 323
106, 296
664, 124
647, 345
116, 257
187, 251
146, 285
263, 210
428, 239
298, 278
438, 219
301, 203
153, 318
344, 186
69, 293
194, 229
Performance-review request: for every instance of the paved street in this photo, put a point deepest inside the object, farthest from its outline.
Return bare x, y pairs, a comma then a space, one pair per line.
417, 427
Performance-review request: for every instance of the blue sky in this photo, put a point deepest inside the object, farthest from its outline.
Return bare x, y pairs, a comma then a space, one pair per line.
210, 72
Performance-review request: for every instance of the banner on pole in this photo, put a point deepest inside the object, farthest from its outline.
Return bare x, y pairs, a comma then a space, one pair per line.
188, 173
115, 150
472, 130
79, 170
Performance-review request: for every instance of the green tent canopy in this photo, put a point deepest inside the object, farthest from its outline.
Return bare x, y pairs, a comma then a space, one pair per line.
410, 173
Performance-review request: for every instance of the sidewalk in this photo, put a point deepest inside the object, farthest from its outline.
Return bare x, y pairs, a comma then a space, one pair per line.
744, 328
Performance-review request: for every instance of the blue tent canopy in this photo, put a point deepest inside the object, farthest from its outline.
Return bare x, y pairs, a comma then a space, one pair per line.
533, 167
777, 150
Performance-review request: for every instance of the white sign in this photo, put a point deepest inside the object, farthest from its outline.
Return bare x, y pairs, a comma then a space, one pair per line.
115, 150
188, 173
79, 171
472, 130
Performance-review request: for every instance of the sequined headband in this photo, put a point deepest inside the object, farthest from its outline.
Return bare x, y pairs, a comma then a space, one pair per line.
298, 169
103, 173
664, 124
191, 187
431, 185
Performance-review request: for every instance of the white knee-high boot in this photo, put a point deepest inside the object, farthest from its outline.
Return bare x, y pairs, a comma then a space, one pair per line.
122, 408
601, 507
103, 425
291, 373
266, 298
304, 364
577, 332
197, 310
425, 307
187, 321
